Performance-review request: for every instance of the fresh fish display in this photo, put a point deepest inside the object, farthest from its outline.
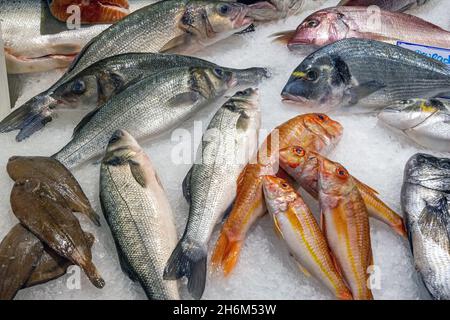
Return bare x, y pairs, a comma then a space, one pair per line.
365, 73
176, 26
425, 121
147, 109
425, 205
210, 186
51, 265
303, 166
296, 224
138, 212
62, 183
20, 251
390, 5
34, 42
37, 208
330, 25
313, 131
95, 85
345, 222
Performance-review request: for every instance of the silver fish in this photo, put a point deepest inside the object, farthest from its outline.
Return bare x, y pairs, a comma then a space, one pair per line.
210, 185
365, 73
274, 9
96, 84
425, 205
391, 5
425, 121
147, 109
138, 212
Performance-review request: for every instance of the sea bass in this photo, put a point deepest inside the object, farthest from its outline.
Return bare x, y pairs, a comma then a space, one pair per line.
296, 224
229, 142
345, 222
330, 25
303, 166
95, 85
57, 177
425, 204
151, 107
426, 122
313, 131
365, 73
139, 215
390, 5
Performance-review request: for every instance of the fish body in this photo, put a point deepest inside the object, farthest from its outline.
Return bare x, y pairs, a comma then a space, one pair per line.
146, 109
424, 121
36, 207
365, 73
390, 5
330, 25
98, 83
297, 226
313, 131
303, 166
20, 252
61, 181
138, 212
345, 222
210, 186
425, 205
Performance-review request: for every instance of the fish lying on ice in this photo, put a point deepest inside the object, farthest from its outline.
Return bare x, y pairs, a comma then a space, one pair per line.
147, 109
360, 75
425, 121
296, 224
274, 9
391, 5
330, 25
425, 204
58, 178
303, 166
96, 84
229, 142
313, 131
345, 222
139, 215
36, 207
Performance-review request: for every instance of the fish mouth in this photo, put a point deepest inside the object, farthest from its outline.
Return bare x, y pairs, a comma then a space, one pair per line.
297, 100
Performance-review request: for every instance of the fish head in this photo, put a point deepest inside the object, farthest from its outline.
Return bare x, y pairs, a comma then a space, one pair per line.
334, 179
295, 160
328, 131
79, 91
429, 171
319, 29
278, 194
212, 82
407, 114
122, 147
319, 82
250, 76
212, 21
246, 99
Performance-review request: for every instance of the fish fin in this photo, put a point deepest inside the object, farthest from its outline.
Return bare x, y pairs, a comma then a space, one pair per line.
188, 259
228, 210
182, 99
124, 265
226, 253
250, 28
365, 187
138, 174
376, 36
277, 228
303, 269
92, 273
322, 223
175, 44
187, 185
84, 121
434, 224
363, 90
283, 37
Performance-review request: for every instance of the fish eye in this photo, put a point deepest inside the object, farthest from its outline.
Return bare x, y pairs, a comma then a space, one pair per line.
312, 75
321, 117
224, 9
78, 87
341, 172
218, 72
299, 151
284, 185
312, 23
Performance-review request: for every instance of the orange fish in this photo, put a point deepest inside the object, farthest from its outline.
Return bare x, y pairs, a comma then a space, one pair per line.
297, 226
313, 131
303, 166
345, 223
92, 11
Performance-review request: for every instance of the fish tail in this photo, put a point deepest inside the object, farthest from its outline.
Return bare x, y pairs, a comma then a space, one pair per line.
93, 274
283, 37
226, 253
93, 216
189, 260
